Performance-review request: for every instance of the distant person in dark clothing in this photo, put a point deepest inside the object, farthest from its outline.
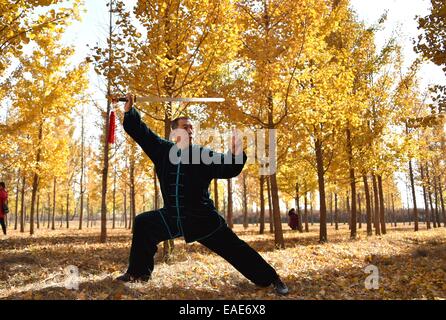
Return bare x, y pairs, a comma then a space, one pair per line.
293, 221
3, 201
188, 211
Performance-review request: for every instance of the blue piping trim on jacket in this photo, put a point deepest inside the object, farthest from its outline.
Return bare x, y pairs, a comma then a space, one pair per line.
179, 225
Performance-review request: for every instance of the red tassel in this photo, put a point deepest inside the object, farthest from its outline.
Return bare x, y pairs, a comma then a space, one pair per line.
112, 127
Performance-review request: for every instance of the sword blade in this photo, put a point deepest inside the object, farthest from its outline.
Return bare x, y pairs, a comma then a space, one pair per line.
170, 99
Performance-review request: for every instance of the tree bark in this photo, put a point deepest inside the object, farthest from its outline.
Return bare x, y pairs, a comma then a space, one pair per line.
270, 208
103, 237
414, 198
37, 211
35, 184
245, 202
299, 213
114, 196
336, 214
426, 204
88, 211
429, 188
229, 217
17, 200
68, 210
125, 206
22, 213
155, 188
54, 205
132, 188
437, 212
440, 191
216, 193
353, 232
262, 204
49, 210
376, 206
381, 205
82, 190
321, 182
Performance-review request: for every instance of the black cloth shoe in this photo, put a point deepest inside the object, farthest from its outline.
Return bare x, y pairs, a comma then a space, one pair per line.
280, 287
127, 277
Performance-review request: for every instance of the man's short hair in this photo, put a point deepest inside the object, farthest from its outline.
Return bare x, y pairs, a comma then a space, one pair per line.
174, 122
2, 184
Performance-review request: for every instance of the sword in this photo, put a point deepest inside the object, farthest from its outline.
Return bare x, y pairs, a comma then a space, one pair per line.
170, 99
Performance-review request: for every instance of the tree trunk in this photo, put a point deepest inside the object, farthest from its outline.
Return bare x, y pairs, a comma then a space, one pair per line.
311, 208
321, 182
270, 208
114, 197
155, 188
88, 211
37, 211
429, 188
61, 216
262, 204
359, 212
82, 189
393, 211
299, 213
22, 213
229, 217
414, 198
132, 188
17, 200
353, 213
376, 206
245, 202
437, 212
125, 206
440, 191
367, 202
381, 205
103, 237
168, 246
278, 233
336, 212
347, 202
54, 205
49, 210
68, 210
426, 204
216, 193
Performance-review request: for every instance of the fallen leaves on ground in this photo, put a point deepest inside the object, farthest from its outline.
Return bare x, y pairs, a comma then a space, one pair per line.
411, 265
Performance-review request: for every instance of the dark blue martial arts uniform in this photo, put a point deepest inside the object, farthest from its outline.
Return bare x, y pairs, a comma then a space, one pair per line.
188, 211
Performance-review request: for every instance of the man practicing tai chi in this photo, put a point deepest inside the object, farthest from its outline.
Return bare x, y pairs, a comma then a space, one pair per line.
188, 211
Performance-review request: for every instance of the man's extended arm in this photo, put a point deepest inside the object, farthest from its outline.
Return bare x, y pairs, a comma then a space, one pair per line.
229, 166
151, 143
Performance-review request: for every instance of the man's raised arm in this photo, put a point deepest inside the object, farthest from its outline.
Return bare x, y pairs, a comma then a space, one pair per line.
151, 143
230, 164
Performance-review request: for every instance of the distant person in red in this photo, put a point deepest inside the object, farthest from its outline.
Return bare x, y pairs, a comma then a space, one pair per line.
293, 219
3, 201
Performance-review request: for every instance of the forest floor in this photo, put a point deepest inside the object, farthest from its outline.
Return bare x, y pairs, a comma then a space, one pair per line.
411, 265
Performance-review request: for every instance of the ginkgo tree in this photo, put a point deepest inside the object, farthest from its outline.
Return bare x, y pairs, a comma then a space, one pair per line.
49, 89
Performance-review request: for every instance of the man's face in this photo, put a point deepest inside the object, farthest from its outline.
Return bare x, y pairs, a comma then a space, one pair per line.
186, 125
